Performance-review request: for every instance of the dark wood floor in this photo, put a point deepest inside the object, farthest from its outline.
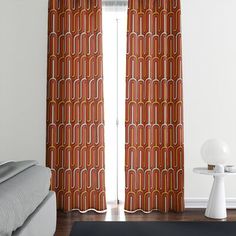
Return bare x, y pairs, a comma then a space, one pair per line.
116, 213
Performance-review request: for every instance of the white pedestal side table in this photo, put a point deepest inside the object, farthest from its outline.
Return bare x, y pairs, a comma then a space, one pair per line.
216, 206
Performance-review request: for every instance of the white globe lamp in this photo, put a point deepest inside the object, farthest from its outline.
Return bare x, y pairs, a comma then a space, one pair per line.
215, 152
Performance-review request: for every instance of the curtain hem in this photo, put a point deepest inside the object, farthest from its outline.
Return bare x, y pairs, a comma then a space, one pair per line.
86, 211
153, 210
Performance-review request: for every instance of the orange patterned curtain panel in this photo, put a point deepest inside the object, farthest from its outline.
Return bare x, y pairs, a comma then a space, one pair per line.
75, 117
154, 109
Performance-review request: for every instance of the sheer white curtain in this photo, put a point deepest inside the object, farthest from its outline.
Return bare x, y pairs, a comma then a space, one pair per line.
114, 49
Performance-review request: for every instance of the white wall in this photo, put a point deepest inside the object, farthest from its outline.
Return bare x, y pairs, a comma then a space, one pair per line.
209, 49
23, 53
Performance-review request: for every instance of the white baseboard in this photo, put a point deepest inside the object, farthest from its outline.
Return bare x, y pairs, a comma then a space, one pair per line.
202, 203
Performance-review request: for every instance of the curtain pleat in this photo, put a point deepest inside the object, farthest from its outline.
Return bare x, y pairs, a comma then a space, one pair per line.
75, 116
154, 161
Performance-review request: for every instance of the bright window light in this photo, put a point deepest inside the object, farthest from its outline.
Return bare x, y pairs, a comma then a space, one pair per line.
114, 59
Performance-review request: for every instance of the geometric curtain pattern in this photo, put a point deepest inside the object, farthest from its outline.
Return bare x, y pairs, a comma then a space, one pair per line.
75, 116
154, 109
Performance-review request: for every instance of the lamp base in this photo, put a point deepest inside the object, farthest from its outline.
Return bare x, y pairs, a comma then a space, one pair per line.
211, 167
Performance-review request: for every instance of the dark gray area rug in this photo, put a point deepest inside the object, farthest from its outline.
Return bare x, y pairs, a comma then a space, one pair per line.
157, 228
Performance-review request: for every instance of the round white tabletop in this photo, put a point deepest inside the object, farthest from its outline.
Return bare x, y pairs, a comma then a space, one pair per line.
205, 171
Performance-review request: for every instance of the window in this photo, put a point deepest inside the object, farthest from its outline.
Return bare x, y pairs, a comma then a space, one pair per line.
114, 56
